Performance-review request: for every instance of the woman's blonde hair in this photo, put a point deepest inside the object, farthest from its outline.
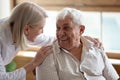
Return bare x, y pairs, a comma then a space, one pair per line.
26, 13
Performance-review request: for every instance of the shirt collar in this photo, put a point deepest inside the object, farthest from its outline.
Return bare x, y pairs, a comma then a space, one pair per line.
88, 44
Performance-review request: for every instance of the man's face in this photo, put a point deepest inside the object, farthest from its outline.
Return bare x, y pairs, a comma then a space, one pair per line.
68, 34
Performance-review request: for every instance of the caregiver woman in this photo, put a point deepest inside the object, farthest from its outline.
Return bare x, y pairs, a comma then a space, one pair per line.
25, 24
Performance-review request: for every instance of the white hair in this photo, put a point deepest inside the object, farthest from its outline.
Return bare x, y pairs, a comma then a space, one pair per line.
75, 14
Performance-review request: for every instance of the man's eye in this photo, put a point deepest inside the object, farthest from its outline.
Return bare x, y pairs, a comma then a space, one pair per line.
58, 28
66, 28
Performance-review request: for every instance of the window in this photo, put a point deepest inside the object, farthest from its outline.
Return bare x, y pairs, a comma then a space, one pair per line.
111, 31
50, 26
102, 25
92, 24
4, 8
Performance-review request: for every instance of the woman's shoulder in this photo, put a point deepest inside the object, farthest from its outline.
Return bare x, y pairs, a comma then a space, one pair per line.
4, 30
3, 20
3, 23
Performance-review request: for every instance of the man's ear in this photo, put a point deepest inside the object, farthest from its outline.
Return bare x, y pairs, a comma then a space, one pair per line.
82, 29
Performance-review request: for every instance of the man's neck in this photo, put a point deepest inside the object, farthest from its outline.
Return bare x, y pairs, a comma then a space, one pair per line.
77, 52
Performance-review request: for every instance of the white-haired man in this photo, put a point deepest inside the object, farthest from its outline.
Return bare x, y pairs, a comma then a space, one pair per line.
74, 57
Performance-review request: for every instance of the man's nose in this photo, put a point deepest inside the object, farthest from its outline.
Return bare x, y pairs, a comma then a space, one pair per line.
61, 32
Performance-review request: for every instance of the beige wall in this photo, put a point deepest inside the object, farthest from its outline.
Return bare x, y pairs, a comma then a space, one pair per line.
4, 8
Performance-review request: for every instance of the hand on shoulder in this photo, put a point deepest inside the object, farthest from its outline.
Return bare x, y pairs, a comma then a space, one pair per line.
96, 41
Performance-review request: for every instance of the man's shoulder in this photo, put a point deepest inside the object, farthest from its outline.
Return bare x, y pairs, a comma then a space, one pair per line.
56, 47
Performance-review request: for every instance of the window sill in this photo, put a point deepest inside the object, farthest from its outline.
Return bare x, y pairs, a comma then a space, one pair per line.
113, 55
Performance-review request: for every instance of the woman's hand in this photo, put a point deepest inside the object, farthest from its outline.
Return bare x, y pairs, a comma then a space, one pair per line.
96, 41
38, 59
42, 54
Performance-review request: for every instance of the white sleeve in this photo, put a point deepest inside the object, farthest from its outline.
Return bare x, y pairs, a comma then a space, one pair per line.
43, 40
47, 70
109, 71
19, 74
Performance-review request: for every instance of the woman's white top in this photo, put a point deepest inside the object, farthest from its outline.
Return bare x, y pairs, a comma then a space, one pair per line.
8, 51
62, 65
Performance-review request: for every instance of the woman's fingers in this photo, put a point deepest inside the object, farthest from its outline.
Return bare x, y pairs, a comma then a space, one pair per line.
42, 54
44, 50
96, 41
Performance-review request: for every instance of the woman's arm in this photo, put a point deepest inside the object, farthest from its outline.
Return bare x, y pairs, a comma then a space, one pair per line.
40, 56
20, 74
17, 74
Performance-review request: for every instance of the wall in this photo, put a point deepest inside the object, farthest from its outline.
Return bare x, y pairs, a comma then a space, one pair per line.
4, 8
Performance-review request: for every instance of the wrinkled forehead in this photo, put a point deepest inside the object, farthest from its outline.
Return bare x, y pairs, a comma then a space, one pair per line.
66, 19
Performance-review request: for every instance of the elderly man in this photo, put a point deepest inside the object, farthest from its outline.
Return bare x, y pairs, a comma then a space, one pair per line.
74, 57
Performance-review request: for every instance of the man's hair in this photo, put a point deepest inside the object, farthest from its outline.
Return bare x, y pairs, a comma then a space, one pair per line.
76, 15
26, 13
